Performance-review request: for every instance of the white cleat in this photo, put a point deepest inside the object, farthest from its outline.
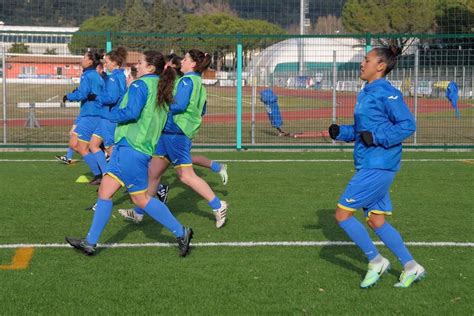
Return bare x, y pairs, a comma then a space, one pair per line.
223, 173
407, 278
131, 215
221, 215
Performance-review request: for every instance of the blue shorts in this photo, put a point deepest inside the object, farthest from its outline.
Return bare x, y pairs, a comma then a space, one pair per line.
369, 189
176, 148
106, 131
129, 167
86, 127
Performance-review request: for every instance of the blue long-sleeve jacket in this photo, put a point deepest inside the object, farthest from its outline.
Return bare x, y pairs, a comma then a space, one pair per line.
91, 82
137, 97
115, 87
381, 110
180, 103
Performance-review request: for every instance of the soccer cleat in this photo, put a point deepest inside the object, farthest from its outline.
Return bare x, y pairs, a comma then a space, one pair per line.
407, 278
82, 245
183, 242
374, 273
63, 159
223, 173
92, 208
97, 180
131, 215
162, 193
221, 215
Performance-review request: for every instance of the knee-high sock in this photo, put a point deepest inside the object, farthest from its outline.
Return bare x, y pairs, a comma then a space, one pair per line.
92, 163
101, 161
359, 234
101, 217
161, 213
393, 240
69, 153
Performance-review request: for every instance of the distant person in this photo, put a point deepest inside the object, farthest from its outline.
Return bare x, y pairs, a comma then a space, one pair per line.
382, 121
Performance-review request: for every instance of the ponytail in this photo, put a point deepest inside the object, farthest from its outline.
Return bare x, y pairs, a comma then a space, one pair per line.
388, 55
166, 86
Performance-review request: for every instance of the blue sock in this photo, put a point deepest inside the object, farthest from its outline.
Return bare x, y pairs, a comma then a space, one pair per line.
215, 166
69, 153
139, 211
100, 158
357, 232
101, 217
92, 163
392, 239
215, 203
160, 212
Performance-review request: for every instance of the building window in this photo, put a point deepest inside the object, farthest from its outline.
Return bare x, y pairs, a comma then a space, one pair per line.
28, 70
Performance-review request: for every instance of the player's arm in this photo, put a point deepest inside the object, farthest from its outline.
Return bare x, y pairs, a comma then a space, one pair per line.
182, 97
81, 93
402, 124
344, 133
137, 97
111, 94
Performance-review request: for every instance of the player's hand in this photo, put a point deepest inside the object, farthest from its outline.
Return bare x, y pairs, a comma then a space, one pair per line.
334, 131
65, 99
91, 97
367, 138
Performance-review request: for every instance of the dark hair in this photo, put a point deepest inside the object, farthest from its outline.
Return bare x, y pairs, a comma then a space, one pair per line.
202, 60
133, 72
388, 55
176, 61
167, 77
118, 56
96, 56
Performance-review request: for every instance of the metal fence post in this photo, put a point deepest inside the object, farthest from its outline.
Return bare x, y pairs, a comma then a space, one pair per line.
108, 45
334, 82
239, 96
415, 87
4, 90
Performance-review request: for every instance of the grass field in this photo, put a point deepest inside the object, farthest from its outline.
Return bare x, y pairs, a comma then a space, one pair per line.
284, 199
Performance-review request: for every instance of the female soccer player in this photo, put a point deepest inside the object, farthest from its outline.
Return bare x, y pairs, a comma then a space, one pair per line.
141, 117
115, 87
382, 121
89, 116
174, 146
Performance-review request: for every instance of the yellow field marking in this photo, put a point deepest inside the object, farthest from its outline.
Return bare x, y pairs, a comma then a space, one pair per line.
469, 161
21, 260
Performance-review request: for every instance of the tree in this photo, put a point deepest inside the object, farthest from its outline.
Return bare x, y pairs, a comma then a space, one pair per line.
50, 51
384, 17
81, 41
18, 48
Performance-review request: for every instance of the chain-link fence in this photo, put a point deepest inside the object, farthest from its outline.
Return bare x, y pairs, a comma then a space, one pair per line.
263, 91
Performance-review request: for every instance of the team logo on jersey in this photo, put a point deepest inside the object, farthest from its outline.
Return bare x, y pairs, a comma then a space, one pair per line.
350, 200
393, 97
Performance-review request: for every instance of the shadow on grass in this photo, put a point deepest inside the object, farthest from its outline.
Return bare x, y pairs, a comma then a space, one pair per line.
186, 200
343, 256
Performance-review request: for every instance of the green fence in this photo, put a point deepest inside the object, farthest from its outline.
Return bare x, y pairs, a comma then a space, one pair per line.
314, 77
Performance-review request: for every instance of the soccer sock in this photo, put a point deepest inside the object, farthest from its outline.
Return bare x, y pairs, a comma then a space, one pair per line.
215, 203
101, 217
161, 213
69, 153
139, 210
215, 166
392, 239
92, 163
357, 232
101, 161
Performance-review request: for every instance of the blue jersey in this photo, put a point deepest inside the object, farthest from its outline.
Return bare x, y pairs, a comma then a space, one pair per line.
381, 110
115, 87
91, 82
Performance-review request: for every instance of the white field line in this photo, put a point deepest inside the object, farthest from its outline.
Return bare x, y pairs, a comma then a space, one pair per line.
246, 244
272, 160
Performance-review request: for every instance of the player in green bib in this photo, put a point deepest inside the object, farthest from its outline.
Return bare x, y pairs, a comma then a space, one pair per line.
140, 119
